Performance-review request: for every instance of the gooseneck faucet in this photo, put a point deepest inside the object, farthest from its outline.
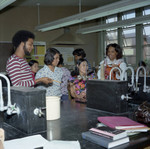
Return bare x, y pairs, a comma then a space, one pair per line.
137, 76
113, 70
2, 107
132, 78
11, 109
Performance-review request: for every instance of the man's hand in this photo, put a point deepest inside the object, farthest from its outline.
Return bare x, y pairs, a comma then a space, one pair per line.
46, 80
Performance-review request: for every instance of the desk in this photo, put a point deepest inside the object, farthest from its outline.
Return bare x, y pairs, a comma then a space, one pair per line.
77, 118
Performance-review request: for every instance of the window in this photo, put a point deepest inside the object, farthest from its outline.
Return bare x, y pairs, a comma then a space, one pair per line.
111, 34
129, 40
146, 11
146, 40
129, 36
128, 15
111, 19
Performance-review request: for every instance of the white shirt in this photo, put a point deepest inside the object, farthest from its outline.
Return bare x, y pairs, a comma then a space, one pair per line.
109, 62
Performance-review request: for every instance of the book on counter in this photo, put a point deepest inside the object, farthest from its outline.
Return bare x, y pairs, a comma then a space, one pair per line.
108, 132
103, 141
124, 123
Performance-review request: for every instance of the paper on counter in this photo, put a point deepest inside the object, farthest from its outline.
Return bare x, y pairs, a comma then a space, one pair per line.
57, 144
36, 141
30, 142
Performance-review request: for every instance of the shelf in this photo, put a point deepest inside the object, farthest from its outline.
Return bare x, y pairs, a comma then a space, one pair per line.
38, 52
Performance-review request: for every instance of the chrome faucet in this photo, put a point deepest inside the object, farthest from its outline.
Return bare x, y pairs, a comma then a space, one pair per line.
39, 112
11, 109
113, 70
2, 107
132, 78
137, 76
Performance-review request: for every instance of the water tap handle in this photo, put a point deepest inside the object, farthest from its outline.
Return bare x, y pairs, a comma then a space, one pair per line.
12, 109
39, 112
125, 97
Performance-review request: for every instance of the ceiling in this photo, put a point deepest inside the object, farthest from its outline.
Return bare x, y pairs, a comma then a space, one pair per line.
93, 3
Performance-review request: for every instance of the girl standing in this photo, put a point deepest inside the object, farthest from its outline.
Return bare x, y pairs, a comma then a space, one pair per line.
113, 59
34, 67
51, 71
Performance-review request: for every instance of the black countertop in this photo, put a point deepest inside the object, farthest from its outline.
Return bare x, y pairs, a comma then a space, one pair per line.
77, 118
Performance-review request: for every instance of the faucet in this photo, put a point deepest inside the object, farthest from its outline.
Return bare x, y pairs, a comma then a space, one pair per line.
123, 68
11, 109
2, 107
113, 70
38, 111
137, 72
132, 78
125, 97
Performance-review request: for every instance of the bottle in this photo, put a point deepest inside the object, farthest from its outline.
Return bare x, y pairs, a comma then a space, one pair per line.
102, 72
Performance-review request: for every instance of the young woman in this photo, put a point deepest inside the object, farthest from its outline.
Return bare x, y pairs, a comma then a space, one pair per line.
77, 83
80, 53
113, 59
34, 67
51, 70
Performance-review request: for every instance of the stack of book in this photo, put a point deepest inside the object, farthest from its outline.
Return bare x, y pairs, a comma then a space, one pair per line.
113, 131
123, 123
106, 136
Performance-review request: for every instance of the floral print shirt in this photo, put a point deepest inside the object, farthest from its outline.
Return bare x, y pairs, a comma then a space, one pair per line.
55, 88
65, 78
80, 83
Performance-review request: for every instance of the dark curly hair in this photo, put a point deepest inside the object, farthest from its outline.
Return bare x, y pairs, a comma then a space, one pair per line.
118, 49
31, 62
79, 52
76, 71
49, 56
61, 60
21, 36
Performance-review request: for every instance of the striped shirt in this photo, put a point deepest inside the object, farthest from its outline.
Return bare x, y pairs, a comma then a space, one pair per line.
19, 72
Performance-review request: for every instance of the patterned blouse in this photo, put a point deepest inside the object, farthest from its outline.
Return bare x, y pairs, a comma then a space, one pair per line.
65, 78
80, 83
55, 88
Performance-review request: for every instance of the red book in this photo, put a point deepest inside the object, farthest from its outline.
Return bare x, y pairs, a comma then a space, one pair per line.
108, 132
115, 121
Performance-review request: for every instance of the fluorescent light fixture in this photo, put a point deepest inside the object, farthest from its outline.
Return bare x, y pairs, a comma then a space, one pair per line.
5, 3
56, 24
97, 28
121, 6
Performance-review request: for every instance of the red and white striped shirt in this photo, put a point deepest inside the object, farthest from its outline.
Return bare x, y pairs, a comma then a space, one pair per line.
19, 72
